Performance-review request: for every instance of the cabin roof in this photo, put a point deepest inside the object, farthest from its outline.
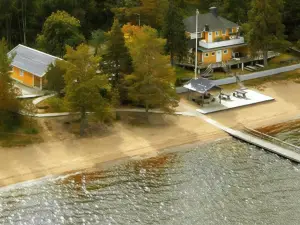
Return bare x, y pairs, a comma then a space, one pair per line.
215, 23
31, 60
201, 85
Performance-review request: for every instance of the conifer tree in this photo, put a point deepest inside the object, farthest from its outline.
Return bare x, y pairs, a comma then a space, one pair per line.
152, 82
266, 31
174, 32
9, 105
116, 61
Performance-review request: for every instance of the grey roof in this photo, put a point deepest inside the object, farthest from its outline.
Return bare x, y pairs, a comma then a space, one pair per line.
31, 60
215, 23
200, 85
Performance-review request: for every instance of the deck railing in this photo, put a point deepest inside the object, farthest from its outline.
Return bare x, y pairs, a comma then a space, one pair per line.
272, 139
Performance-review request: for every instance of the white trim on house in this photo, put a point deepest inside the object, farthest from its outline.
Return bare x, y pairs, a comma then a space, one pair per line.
193, 35
209, 45
209, 39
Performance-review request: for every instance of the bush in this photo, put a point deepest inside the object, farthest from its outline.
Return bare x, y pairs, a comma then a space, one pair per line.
9, 121
218, 39
31, 131
57, 104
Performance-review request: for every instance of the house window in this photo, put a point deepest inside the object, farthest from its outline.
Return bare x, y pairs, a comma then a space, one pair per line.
21, 73
213, 53
225, 51
217, 33
224, 32
206, 54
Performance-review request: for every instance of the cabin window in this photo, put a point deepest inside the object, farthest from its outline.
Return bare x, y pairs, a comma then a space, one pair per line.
213, 53
21, 73
217, 33
225, 51
206, 54
224, 32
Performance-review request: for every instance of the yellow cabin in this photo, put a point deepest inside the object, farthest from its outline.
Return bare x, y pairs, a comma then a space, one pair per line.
219, 39
29, 66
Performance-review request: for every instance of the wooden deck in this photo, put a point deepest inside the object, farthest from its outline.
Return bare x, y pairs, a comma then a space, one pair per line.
251, 139
231, 62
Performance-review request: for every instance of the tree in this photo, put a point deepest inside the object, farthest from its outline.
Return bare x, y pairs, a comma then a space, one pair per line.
236, 10
84, 84
59, 30
9, 107
266, 31
174, 32
152, 82
291, 19
151, 12
55, 78
116, 61
98, 38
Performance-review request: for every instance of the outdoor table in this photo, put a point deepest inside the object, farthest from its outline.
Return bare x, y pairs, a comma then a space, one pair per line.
240, 93
225, 96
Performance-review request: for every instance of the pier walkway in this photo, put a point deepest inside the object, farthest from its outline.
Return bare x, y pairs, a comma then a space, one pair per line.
253, 139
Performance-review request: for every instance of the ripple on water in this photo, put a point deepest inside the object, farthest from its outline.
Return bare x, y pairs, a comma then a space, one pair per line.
223, 183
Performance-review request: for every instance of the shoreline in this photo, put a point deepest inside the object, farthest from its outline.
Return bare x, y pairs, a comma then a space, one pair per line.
63, 154
60, 173
113, 162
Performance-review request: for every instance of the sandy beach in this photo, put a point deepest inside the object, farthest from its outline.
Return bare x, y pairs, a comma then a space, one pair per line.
58, 155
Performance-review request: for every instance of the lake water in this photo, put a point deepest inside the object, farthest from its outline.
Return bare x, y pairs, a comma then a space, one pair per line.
222, 183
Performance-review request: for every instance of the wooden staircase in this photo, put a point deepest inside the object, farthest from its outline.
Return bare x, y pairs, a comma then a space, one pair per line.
208, 72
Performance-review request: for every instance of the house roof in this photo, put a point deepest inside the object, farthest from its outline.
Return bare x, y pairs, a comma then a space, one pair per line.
200, 85
31, 60
215, 23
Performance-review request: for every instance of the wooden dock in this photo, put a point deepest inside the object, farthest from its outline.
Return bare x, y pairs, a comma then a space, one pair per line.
252, 139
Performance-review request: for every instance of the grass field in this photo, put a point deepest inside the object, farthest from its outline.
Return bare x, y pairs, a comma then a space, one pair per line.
27, 133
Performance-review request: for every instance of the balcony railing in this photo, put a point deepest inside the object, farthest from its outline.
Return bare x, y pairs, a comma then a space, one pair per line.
236, 41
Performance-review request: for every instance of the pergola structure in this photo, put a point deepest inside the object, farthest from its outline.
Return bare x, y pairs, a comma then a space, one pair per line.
202, 86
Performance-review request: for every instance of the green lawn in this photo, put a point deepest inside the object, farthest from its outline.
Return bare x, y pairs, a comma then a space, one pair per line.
27, 133
53, 104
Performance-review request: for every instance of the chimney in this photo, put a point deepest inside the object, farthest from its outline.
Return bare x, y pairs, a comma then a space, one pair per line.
214, 11
206, 27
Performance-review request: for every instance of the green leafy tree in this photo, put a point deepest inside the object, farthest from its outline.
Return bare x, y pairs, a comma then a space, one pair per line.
236, 10
152, 82
9, 107
98, 38
59, 30
266, 31
86, 90
149, 12
117, 61
291, 19
55, 78
174, 32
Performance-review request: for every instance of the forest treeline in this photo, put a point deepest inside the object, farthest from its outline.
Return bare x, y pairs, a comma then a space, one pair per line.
22, 20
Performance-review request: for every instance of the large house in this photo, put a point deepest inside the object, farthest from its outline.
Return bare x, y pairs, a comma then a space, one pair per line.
29, 66
219, 39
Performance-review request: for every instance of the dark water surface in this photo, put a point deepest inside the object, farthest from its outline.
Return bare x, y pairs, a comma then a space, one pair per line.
222, 183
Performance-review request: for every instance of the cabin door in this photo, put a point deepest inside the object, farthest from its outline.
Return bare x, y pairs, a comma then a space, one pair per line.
209, 37
219, 56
